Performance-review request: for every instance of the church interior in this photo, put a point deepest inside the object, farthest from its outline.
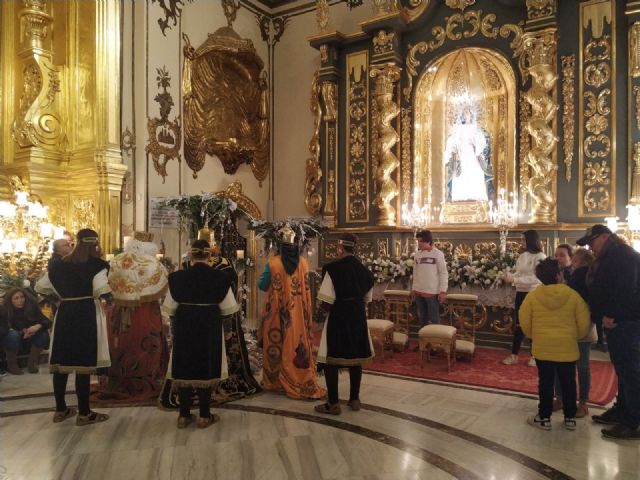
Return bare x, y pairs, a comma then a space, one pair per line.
231, 119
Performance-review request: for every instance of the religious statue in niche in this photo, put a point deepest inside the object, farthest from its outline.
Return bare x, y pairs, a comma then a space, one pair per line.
226, 106
467, 158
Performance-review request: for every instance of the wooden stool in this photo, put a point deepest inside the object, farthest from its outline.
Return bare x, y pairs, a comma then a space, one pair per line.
438, 336
381, 332
461, 309
398, 310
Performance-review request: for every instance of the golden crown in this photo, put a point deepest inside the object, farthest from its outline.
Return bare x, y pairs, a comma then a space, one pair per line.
287, 234
143, 236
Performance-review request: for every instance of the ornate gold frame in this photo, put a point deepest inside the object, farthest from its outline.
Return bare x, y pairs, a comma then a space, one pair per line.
431, 123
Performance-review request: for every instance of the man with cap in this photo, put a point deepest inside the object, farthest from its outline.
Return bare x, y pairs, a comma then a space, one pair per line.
613, 282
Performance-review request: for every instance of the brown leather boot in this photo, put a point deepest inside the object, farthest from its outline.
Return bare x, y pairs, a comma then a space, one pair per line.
12, 363
34, 359
583, 410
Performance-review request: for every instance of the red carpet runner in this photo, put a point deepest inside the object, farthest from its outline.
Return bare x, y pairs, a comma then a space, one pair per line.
486, 370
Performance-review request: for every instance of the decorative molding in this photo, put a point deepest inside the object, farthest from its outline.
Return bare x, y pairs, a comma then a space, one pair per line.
405, 125
127, 188
383, 247
459, 4
330, 98
272, 28
634, 194
386, 77
165, 136
636, 93
127, 141
460, 26
634, 50
83, 214
357, 128
568, 111
322, 15
385, 7
230, 8
383, 42
525, 146
312, 195
234, 192
596, 186
172, 10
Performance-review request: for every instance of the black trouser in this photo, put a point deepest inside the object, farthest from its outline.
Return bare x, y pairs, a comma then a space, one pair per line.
331, 377
204, 401
518, 334
566, 372
82, 392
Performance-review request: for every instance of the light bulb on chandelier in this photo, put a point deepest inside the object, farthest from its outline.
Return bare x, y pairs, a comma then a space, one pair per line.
503, 214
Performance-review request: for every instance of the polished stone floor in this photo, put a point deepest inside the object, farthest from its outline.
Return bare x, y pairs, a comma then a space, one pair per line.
407, 429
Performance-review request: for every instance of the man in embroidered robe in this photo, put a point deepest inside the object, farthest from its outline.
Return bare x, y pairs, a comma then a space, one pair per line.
198, 299
347, 286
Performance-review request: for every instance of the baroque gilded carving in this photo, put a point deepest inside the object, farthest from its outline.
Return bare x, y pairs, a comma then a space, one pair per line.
568, 111
538, 54
164, 135
312, 195
383, 42
460, 26
330, 98
172, 9
405, 125
272, 28
127, 141
234, 192
38, 121
597, 155
322, 15
83, 214
634, 50
230, 8
634, 197
330, 205
357, 170
384, 7
459, 4
226, 106
386, 77
537, 9
636, 94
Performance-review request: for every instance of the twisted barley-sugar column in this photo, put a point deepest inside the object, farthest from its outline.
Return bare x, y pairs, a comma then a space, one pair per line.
386, 76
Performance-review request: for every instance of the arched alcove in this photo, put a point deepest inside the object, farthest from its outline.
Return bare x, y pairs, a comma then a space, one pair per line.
467, 90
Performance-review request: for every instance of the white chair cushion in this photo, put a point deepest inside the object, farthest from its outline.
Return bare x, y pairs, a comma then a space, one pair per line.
437, 331
466, 297
379, 324
404, 293
465, 346
400, 338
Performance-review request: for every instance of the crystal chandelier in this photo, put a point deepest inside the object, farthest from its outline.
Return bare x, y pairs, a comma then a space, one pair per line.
415, 217
631, 232
504, 215
25, 235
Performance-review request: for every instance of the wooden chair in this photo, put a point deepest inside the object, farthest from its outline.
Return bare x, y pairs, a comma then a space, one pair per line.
398, 311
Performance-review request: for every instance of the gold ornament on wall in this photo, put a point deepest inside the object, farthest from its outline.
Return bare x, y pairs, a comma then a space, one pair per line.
459, 4
405, 125
385, 7
634, 50
386, 77
83, 214
537, 56
312, 195
165, 135
330, 98
383, 42
636, 94
357, 166
538, 9
172, 10
322, 15
525, 146
226, 107
568, 111
634, 197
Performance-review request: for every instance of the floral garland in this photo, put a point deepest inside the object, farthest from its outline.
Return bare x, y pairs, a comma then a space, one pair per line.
205, 210
305, 228
485, 272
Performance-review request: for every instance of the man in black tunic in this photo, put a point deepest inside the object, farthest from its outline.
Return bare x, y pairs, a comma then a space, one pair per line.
198, 298
347, 286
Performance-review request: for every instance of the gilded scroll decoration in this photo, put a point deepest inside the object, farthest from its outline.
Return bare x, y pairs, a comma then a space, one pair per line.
636, 94
386, 77
568, 111
634, 50
172, 9
127, 141
38, 121
330, 205
83, 214
596, 186
234, 192
357, 171
634, 197
384, 7
226, 106
330, 98
312, 195
459, 4
538, 54
459, 26
383, 42
164, 135
537, 9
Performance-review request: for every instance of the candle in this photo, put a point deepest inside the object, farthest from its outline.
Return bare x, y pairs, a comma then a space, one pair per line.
109, 257
240, 254
159, 256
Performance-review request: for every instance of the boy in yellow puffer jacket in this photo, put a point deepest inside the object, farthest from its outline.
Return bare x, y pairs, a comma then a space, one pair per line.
554, 316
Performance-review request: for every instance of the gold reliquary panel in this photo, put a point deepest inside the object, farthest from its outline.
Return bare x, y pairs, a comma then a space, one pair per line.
225, 104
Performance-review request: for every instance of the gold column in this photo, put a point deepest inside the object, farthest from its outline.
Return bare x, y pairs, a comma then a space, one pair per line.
385, 77
538, 58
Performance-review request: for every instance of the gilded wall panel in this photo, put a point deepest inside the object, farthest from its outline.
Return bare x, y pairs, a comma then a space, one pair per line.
597, 97
568, 111
312, 194
357, 133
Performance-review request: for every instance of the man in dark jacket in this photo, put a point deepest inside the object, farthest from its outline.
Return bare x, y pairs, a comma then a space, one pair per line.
614, 295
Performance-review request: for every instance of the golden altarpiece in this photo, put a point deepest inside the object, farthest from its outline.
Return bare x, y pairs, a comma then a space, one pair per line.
60, 96
542, 93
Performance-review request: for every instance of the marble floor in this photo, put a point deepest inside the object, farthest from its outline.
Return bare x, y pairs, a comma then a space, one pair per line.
407, 429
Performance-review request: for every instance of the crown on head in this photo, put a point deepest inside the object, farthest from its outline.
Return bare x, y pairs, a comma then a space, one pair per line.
287, 234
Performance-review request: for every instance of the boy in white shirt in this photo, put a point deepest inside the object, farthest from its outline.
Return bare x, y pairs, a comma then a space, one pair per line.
430, 279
